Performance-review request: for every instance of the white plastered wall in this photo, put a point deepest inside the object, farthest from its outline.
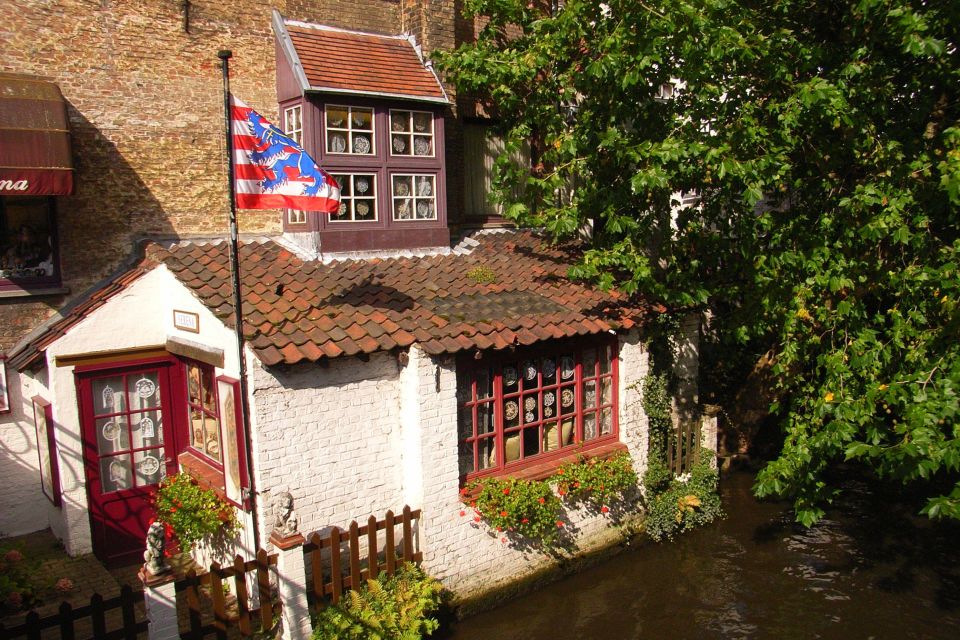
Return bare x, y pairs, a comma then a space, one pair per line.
22, 503
330, 435
140, 316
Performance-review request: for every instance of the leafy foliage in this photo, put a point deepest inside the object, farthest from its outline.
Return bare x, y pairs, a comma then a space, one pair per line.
192, 512
597, 482
685, 504
526, 508
18, 589
823, 143
389, 608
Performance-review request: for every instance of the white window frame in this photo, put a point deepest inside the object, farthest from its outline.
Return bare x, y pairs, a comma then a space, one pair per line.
352, 197
349, 131
413, 197
409, 134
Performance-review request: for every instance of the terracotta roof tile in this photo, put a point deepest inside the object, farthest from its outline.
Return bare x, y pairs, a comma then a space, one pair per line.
365, 63
345, 308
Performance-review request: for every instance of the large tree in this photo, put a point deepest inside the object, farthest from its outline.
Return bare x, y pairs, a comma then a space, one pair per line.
823, 142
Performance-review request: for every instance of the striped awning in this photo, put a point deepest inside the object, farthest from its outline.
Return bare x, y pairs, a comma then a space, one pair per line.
35, 155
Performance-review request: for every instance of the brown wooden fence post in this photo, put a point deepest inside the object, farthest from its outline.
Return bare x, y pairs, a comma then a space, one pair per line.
292, 587
160, 601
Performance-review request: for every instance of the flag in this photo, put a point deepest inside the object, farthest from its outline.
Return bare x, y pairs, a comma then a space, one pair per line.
272, 171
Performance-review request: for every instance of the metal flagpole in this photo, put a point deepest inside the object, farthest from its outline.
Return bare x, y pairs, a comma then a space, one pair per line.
225, 56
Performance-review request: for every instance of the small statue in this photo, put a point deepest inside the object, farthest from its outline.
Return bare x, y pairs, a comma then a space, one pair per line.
154, 560
286, 518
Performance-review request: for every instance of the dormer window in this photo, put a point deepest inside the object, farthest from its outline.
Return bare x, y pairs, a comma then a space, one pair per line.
378, 129
350, 131
411, 133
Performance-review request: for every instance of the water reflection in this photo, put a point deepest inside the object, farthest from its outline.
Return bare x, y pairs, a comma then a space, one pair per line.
870, 569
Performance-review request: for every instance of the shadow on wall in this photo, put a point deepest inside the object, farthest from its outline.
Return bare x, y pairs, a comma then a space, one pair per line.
112, 205
21, 501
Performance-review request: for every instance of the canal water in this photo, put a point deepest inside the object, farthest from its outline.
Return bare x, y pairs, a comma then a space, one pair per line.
870, 569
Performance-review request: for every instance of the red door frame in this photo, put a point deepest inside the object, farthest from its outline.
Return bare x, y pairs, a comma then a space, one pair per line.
129, 549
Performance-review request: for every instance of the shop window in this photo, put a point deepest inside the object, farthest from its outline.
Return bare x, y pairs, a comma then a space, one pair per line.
535, 405
358, 197
414, 197
28, 250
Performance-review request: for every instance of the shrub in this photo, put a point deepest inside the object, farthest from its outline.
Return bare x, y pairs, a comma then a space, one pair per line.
17, 588
686, 504
597, 482
397, 607
193, 513
527, 508
657, 477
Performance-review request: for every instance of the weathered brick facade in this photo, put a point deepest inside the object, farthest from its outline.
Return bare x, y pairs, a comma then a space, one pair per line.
145, 104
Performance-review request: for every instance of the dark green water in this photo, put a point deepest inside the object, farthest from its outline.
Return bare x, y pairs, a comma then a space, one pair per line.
870, 569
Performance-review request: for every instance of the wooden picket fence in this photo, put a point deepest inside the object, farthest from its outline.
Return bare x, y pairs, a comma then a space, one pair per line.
244, 619
89, 622
330, 579
683, 450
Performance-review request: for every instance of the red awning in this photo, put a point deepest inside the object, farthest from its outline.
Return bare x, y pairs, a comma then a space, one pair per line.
34, 138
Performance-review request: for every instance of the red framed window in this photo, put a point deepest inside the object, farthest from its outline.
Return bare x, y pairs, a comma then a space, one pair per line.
203, 419
535, 404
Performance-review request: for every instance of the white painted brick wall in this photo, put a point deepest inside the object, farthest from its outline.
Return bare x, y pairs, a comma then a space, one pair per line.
356, 439
19, 466
331, 437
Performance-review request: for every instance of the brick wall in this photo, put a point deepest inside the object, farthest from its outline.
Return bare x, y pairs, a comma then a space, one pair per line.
145, 105
331, 437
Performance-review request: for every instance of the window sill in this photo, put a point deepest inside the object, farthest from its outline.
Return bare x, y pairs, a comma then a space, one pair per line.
547, 468
208, 476
17, 291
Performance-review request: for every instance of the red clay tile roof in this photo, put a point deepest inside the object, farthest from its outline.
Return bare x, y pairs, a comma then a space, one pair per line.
30, 352
362, 63
512, 289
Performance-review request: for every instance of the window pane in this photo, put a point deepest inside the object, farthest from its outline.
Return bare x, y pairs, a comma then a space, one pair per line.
512, 447
511, 413
402, 185
606, 390
108, 395
425, 186
112, 434
607, 358
567, 367
510, 378
362, 119
197, 437
422, 146
530, 374
149, 466
362, 144
403, 208
531, 410
337, 117
488, 453
531, 442
589, 426
549, 369
363, 209
212, 434
549, 404
143, 390
589, 362
400, 145
26, 241
590, 394
400, 121
567, 399
484, 383
485, 418
423, 122
606, 422
115, 473
147, 429
346, 184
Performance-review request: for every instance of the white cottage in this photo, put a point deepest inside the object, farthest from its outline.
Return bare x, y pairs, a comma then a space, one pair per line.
371, 384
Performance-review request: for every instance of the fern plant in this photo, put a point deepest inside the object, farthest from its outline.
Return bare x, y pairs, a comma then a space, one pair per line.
394, 607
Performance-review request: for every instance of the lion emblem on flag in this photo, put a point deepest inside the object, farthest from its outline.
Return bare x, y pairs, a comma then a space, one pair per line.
283, 158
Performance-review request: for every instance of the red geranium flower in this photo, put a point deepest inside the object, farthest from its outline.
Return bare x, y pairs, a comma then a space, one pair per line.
604, 509
462, 513
503, 514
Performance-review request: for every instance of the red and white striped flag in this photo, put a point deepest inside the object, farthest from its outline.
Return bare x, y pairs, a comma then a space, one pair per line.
273, 171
